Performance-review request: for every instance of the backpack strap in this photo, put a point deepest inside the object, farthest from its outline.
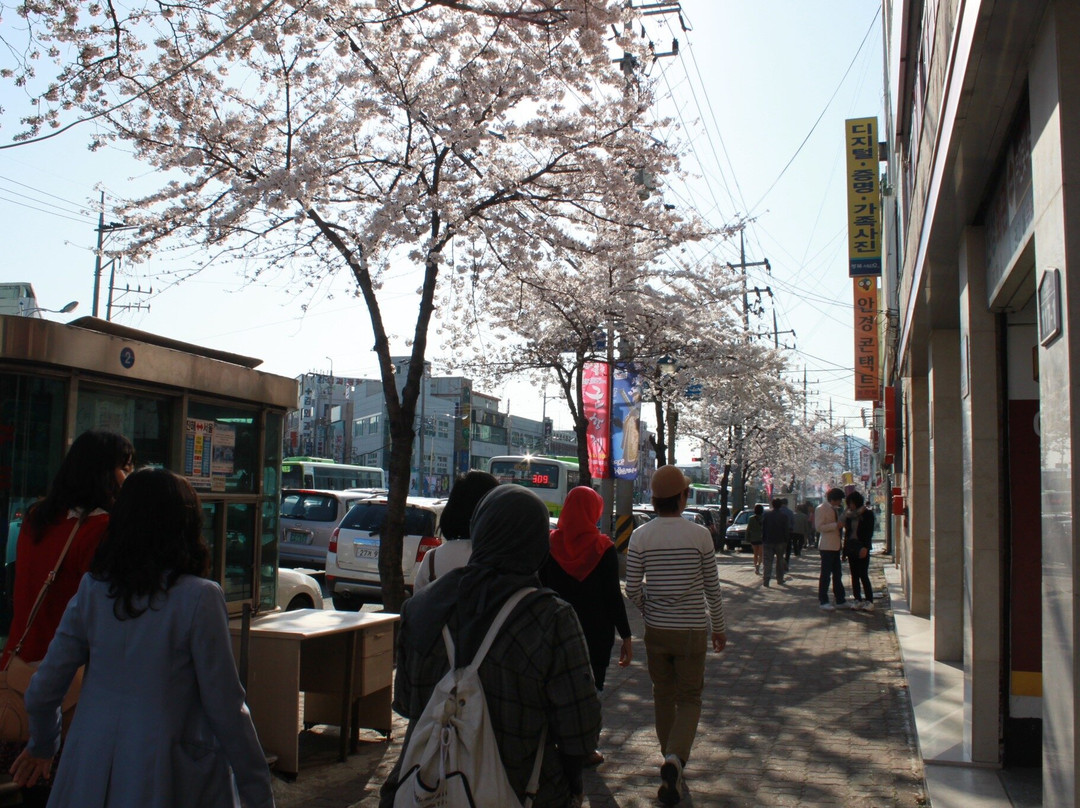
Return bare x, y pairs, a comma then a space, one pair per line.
489, 638
431, 565
533, 785
496, 624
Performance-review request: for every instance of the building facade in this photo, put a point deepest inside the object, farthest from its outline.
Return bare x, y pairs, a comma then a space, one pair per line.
981, 225
457, 429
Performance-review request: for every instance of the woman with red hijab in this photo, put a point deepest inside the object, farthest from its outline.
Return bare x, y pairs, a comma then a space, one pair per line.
584, 570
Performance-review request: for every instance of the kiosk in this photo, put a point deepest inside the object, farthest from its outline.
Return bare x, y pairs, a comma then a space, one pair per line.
206, 414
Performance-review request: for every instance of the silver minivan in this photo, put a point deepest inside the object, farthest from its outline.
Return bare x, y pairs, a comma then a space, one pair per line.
308, 518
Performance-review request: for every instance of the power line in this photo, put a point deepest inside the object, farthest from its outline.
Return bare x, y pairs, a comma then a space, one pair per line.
823, 111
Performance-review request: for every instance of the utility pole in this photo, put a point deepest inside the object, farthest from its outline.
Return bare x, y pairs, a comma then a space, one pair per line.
127, 290
738, 484
97, 260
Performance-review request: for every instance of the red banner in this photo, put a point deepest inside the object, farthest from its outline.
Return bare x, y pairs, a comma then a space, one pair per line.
594, 389
867, 378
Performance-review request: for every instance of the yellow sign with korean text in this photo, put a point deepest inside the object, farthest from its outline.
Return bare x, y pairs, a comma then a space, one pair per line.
863, 197
867, 375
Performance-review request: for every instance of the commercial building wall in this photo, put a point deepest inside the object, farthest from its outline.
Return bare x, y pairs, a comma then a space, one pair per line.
984, 164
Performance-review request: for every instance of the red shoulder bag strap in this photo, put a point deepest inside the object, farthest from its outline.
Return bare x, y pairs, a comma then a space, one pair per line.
45, 588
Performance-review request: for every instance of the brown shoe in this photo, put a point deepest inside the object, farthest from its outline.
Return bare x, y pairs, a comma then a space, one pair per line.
593, 760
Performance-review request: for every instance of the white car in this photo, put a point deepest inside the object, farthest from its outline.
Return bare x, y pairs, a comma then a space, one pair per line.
352, 559
296, 590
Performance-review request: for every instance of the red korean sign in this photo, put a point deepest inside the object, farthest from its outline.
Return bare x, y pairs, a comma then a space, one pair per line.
594, 389
867, 374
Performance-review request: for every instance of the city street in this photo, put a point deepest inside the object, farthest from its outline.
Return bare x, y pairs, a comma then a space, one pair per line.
804, 708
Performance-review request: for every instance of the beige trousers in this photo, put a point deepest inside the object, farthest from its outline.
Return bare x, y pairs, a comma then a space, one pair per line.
676, 660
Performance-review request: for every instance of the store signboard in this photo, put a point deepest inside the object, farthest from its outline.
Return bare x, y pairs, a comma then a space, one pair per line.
867, 373
863, 197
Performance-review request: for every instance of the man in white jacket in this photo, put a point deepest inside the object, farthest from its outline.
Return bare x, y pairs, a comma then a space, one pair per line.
827, 523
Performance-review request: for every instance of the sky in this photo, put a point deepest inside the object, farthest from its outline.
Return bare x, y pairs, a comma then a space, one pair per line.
758, 93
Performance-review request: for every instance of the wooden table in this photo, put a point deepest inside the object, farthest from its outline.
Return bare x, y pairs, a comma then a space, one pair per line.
343, 663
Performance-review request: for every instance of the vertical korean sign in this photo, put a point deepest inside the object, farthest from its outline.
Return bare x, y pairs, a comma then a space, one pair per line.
863, 197
594, 388
626, 420
867, 378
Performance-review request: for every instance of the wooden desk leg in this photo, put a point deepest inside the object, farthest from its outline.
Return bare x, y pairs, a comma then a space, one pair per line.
347, 695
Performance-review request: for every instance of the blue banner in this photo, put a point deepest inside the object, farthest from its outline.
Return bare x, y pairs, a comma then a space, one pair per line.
626, 421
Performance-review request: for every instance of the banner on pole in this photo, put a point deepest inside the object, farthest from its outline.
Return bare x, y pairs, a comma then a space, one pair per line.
594, 389
625, 421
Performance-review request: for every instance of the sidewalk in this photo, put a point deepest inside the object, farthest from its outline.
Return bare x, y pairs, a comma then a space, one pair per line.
804, 708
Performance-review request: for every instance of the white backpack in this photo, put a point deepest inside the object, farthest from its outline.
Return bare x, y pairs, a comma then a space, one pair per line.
452, 758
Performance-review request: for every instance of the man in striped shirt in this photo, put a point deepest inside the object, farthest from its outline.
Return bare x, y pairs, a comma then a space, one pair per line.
671, 576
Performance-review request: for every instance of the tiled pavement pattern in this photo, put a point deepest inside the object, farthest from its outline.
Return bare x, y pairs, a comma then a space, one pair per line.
804, 708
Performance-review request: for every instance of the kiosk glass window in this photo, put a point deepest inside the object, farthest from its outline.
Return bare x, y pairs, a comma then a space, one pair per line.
232, 564
239, 550
31, 448
272, 442
144, 420
221, 448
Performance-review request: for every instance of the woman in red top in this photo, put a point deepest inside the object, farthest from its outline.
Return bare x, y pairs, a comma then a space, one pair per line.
84, 488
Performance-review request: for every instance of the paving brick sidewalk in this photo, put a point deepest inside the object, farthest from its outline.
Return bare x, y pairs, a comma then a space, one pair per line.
804, 708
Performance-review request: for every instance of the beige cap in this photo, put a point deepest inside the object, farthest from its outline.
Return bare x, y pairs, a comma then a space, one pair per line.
668, 481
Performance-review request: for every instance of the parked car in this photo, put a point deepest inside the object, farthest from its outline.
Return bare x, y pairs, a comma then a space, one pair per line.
711, 521
308, 517
352, 559
296, 590
643, 514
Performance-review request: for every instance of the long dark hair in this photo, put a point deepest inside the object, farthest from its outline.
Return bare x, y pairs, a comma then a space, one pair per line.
466, 494
86, 479
154, 537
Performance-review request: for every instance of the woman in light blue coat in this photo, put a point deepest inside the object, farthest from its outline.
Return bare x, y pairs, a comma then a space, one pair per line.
161, 720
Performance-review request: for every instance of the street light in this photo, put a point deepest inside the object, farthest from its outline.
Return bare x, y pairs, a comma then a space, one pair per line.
70, 307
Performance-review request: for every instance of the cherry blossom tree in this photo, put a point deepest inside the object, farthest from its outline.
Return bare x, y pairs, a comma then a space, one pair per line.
327, 136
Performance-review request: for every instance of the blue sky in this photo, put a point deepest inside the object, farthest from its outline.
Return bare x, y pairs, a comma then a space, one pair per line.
759, 91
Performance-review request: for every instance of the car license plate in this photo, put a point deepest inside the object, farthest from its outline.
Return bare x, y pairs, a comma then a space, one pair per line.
365, 551
297, 537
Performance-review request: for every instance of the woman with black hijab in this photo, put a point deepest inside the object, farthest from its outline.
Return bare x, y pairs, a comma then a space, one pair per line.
537, 671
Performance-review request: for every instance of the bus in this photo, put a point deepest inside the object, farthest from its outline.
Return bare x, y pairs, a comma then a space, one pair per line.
701, 494
321, 473
549, 477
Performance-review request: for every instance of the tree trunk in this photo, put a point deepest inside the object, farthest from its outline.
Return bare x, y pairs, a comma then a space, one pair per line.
391, 539
672, 425
723, 495
658, 441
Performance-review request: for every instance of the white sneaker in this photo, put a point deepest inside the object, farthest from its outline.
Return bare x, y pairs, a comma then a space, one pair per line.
827, 607
847, 604
868, 605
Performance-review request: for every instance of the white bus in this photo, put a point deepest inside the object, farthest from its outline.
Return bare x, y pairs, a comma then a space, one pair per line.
549, 477
320, 473
701, 494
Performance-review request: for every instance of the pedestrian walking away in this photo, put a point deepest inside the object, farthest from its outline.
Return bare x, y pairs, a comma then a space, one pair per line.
790, 514
671, 577
800, 533
827, 520
55, 547
456, 548
536, 676
753, 535
583, 569
775, 535
161, 721
858, 536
